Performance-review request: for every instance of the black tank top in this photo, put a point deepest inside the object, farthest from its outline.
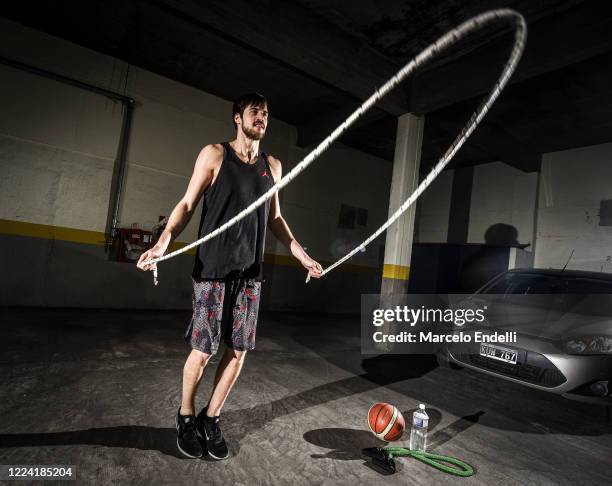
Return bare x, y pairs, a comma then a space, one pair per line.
240, 248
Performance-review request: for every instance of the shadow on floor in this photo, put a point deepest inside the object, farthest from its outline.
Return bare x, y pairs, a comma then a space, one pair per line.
127, 436
380, 371
345, 444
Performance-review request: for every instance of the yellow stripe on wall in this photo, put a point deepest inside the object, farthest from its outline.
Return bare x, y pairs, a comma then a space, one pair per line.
177, 245
288, 260
48, 232
398, 272
62, 233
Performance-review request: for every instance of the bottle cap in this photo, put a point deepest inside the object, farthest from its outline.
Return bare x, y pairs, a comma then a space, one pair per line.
422, 406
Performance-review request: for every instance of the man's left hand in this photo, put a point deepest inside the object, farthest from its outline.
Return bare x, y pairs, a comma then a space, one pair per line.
314, 268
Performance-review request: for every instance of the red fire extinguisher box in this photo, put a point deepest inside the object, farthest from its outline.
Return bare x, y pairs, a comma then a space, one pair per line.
130, 243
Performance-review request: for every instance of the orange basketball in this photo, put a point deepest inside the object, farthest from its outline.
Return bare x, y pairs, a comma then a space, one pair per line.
386, 422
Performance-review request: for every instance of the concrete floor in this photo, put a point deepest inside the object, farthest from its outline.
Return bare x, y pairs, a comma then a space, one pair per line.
99, 390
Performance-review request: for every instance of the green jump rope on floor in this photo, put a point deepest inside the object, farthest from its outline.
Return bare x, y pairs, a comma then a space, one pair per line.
382, 459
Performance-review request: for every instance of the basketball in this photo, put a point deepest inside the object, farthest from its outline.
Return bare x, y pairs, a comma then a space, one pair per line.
386, 422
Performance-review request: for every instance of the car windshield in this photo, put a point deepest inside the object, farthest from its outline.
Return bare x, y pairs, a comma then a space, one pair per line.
588, 286
532, 283
564, 293
527, 283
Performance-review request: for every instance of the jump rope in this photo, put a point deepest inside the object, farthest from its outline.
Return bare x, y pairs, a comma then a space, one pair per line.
383, 458
452, 37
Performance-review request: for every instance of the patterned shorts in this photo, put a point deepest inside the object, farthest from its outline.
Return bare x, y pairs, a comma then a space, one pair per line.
225, 309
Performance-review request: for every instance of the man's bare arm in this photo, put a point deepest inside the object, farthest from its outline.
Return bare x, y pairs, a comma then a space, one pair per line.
280, 229
206, 166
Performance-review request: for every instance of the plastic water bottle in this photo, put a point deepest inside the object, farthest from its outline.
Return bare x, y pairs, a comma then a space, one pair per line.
418, 433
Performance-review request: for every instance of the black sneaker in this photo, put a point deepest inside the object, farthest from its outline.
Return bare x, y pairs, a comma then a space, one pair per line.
187, 440
209, 431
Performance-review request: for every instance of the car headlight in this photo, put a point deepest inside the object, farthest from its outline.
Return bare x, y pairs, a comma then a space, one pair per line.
589, 345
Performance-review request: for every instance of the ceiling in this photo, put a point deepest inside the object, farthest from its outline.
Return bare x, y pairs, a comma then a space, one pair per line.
317, 60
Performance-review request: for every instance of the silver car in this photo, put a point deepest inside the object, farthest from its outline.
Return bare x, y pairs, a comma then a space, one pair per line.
563, 325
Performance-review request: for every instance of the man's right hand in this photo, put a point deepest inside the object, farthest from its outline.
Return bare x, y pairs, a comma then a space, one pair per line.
150, 254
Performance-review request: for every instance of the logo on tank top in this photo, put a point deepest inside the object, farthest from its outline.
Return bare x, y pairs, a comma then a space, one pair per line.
265, 173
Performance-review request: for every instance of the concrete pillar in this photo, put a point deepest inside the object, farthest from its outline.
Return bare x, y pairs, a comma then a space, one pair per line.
405, 179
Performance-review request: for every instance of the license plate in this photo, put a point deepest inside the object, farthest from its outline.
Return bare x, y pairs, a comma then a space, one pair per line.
496, 352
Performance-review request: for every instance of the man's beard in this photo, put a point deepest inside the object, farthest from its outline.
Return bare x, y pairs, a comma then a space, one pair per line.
252, 133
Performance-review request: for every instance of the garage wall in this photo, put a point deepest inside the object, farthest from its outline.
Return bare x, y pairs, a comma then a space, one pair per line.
57, 148
500, 195
434, 209
504, 195
573, 182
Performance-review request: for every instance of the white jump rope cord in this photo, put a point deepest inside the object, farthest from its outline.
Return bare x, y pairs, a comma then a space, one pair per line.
427, 54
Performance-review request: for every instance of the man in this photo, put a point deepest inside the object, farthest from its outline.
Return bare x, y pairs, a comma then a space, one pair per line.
228, 268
